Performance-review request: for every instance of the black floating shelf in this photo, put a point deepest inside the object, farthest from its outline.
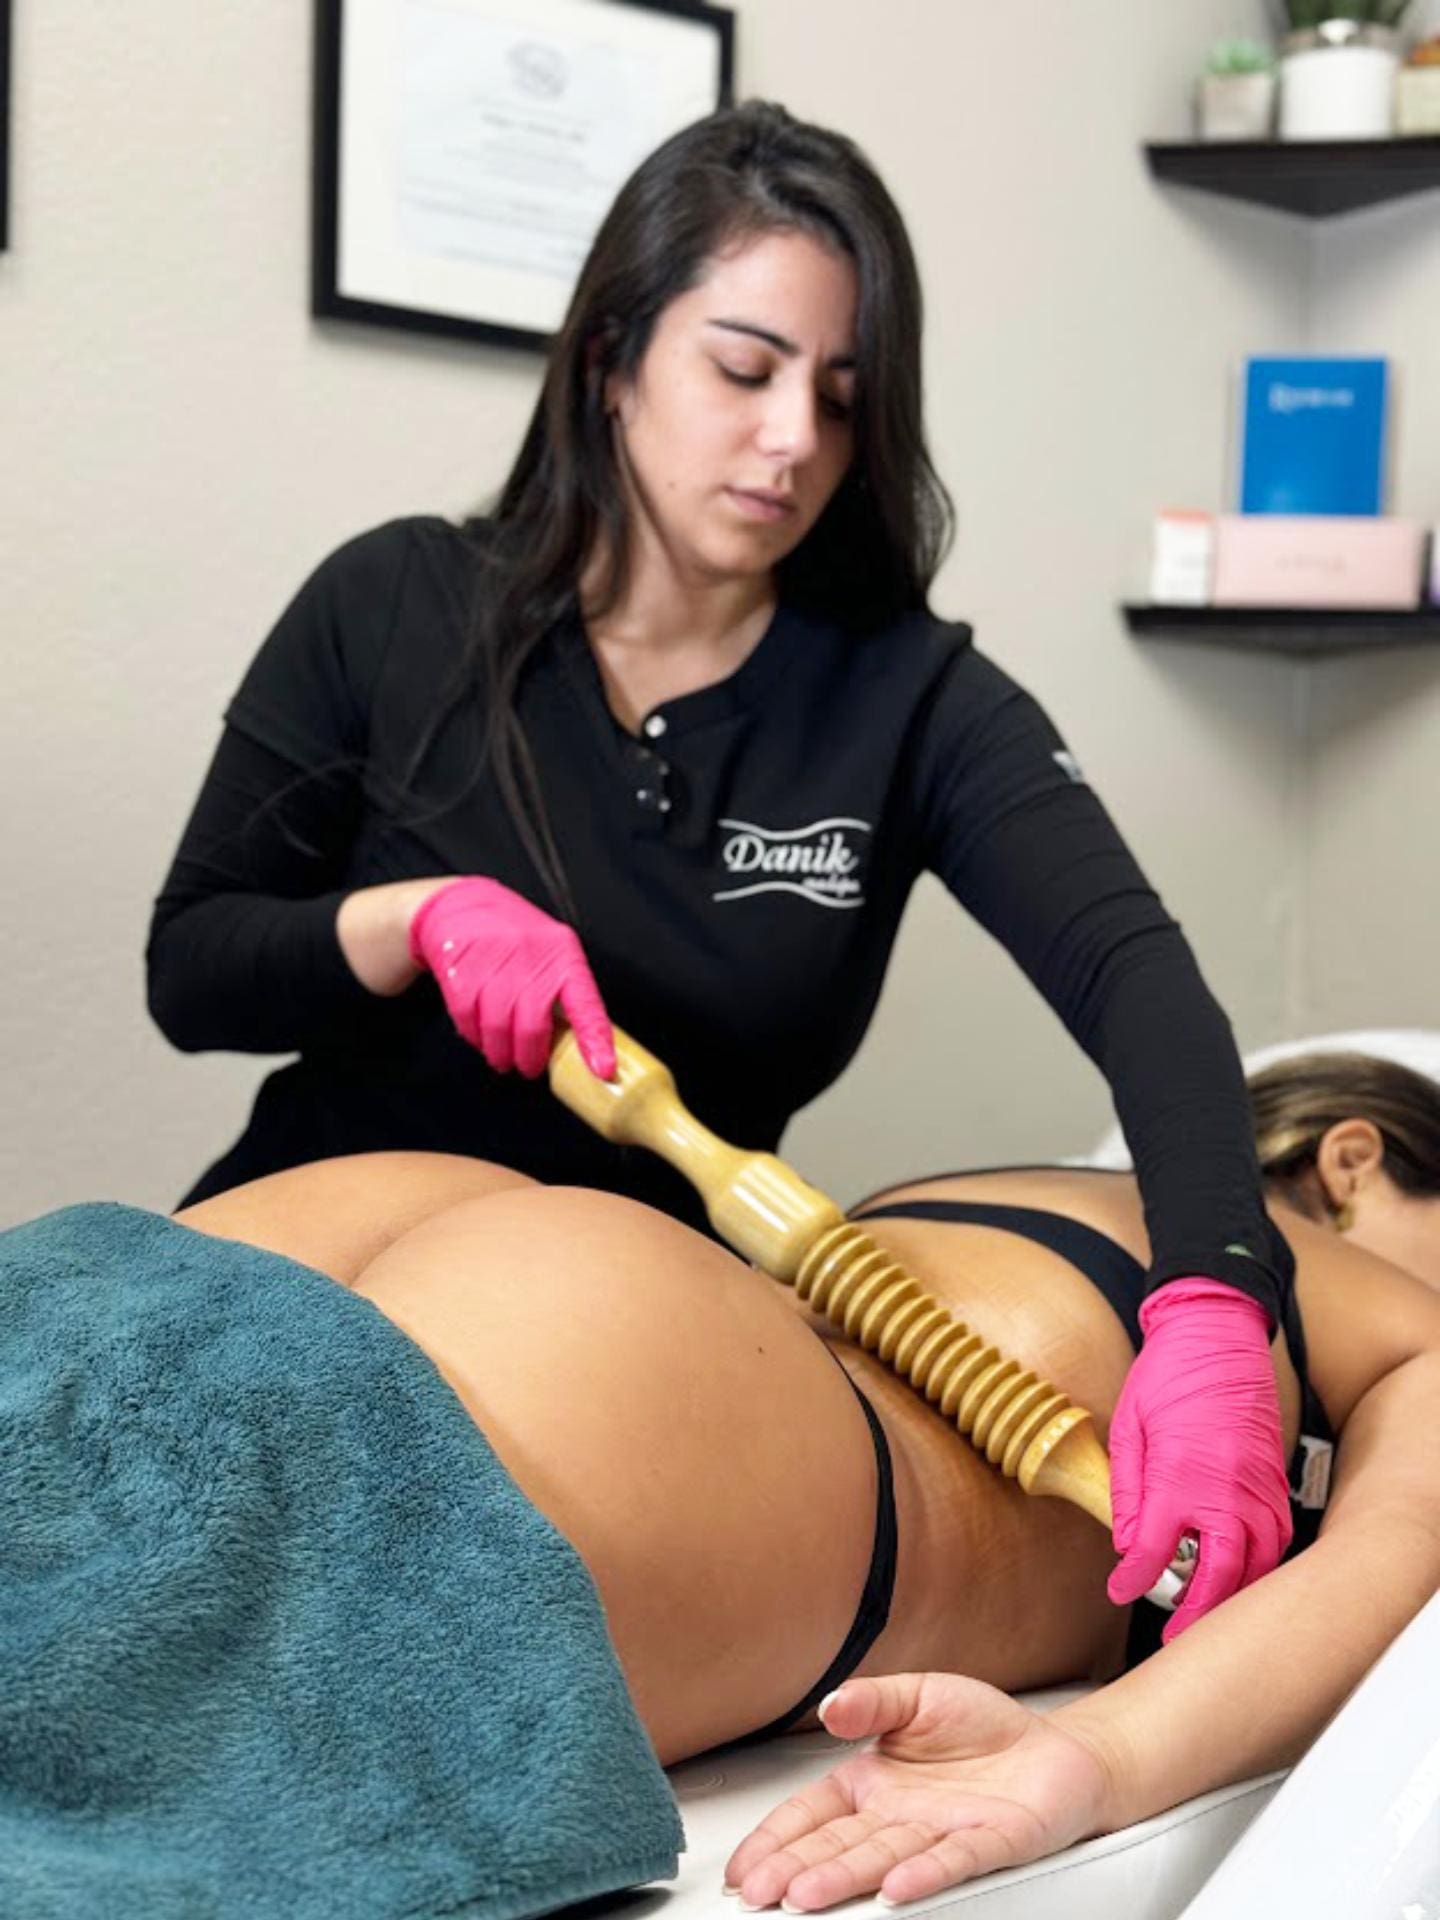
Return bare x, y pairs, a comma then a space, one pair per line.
1313, 631
1311, 177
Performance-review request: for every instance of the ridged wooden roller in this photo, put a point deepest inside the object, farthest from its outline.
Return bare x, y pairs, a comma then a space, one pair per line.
1021, 1423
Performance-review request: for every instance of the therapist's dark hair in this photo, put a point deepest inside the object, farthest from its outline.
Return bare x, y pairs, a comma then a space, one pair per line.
740, 173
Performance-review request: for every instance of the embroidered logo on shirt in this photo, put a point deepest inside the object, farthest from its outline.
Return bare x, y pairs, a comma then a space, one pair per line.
820, 862
1069, 766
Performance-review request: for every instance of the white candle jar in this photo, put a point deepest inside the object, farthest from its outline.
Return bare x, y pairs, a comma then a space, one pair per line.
1337, 82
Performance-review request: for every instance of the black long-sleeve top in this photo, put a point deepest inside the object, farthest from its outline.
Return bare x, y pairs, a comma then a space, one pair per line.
739, 868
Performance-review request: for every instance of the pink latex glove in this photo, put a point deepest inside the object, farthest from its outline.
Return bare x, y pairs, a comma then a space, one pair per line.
1195, 1445
502, 965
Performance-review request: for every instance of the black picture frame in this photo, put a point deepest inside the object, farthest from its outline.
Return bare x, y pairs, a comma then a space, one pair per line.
4, 124
329, 299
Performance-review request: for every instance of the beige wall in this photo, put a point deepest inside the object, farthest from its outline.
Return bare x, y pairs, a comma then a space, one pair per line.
181, 442
1373, 764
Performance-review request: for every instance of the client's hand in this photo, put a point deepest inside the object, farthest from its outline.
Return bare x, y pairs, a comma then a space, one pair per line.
503, 966
1195, 1445
963, 1781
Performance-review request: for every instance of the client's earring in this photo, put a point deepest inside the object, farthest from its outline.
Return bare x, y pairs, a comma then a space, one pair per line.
1345, 1216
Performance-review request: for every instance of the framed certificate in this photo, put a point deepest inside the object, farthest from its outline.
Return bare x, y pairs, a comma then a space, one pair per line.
4, 124
466, 151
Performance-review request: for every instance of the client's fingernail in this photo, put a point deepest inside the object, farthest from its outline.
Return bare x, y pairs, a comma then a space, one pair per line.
788, 1906
728, 1891
834, 1694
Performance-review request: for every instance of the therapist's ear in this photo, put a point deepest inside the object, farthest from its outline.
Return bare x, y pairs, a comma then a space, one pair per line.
616, 392
598, 352
1350, 1155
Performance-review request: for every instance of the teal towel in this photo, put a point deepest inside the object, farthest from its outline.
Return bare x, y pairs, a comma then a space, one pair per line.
279, 1636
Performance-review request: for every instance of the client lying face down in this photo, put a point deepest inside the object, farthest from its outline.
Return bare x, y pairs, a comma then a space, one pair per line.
963, 1781
766, 1511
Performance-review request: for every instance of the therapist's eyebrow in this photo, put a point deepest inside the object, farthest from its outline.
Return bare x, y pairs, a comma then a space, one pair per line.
842, 363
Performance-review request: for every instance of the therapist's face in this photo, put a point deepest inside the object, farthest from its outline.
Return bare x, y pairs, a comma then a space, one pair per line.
736, 430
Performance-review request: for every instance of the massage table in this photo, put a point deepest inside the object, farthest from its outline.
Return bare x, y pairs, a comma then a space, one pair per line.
1352, 1833
1415, 1047
1146, 1872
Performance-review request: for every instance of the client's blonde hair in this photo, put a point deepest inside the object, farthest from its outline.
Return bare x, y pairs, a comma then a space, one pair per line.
1296, 1102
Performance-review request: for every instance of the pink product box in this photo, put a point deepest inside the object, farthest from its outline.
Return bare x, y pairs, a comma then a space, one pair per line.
1283, 560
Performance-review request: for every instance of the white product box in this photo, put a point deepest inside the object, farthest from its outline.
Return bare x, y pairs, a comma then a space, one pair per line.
1182, 557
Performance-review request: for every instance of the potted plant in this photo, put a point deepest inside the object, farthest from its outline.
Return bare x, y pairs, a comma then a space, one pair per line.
1235, 99
1338, 62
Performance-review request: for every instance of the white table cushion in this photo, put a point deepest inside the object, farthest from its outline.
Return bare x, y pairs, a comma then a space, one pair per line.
1144, 1872
1354, 1832
1415, 1047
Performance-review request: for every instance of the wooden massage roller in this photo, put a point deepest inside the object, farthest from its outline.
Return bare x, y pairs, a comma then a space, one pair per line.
1023, 1425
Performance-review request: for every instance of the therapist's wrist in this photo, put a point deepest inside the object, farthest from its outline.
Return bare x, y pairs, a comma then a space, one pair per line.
1189, 1292
372, 927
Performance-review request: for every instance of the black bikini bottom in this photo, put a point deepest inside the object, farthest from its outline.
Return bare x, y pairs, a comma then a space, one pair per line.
874, 1609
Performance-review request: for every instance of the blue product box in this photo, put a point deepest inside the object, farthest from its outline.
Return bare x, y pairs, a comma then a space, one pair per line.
1312, 437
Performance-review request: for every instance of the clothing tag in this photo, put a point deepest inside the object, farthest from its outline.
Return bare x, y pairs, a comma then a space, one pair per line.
1314, 1489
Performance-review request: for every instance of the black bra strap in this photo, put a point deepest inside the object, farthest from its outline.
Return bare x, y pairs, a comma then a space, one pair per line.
1117, 1274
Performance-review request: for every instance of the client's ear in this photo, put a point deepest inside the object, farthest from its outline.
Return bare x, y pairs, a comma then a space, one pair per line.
1350, 1154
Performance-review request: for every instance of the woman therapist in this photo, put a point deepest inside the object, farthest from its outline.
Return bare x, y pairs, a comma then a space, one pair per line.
668, 737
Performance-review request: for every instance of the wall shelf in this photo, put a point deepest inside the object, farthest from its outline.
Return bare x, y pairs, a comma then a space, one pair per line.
1309, 177
1314, 632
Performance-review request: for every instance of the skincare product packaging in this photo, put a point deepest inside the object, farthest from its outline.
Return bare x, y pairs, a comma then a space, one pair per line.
1312, 436
1182, 557
1279, 560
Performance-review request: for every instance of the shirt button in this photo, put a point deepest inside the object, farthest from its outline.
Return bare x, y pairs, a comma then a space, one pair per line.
655, 726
